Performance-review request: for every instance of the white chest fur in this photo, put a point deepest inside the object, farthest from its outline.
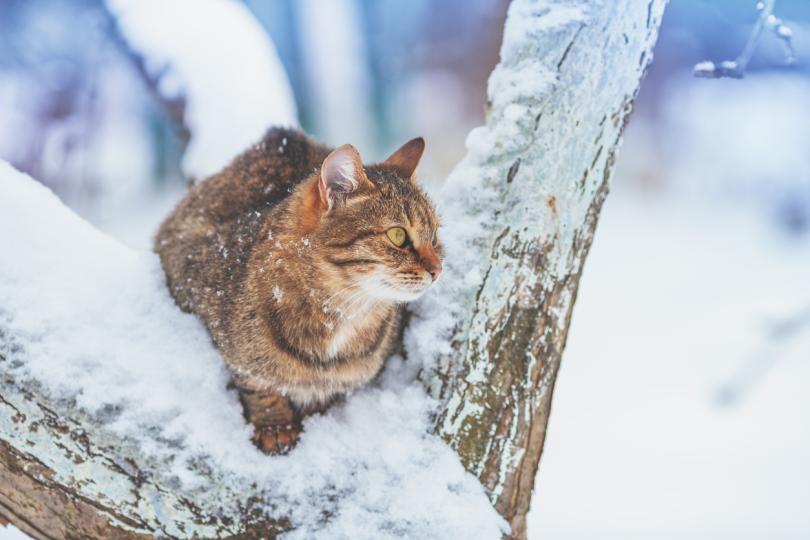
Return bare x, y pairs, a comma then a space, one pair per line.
342, 338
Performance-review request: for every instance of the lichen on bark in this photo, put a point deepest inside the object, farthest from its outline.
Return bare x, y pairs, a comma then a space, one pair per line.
559, 100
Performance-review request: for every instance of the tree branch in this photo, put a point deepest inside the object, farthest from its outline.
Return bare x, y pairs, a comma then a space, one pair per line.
764, 357
62, 475
736, 68
521, 207
559, 100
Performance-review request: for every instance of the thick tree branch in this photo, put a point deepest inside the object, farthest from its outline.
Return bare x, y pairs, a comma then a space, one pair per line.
62, 475
521, 211
560, 97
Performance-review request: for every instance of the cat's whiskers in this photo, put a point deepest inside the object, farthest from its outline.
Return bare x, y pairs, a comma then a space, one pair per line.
359, 304
341, 304
334, 304
328, 301
349, 307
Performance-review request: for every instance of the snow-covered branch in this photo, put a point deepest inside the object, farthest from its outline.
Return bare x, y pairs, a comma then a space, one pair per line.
521, 210
736, 68
168, 453
219, 63
116, 421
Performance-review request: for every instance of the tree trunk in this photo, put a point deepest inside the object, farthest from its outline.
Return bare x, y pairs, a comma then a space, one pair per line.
521, 212
559, 100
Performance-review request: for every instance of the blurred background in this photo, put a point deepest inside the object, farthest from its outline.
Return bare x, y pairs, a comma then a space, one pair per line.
681, 408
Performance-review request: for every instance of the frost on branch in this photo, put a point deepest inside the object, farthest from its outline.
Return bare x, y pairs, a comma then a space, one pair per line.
521, 209
736, 68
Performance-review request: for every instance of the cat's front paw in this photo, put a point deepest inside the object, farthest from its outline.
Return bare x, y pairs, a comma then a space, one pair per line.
276, 440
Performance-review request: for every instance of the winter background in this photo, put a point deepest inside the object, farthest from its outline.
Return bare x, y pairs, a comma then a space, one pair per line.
681, 408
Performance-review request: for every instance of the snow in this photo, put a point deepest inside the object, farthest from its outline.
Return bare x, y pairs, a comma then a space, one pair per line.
705, 67
91, 319
528, 79
71, 297
784, 31
678, 297
530, 19
521, 77
435, 316
12, 533
218, 57
473, 189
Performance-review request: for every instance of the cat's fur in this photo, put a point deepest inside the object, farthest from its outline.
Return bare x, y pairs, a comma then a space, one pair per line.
284, 256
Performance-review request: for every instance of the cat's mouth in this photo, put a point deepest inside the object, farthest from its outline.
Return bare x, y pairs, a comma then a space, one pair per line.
397, 289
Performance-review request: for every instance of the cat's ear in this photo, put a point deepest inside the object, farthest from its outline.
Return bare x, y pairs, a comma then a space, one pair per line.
405, 160
341, 174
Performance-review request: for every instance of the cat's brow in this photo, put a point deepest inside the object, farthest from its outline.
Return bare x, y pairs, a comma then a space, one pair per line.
358, 236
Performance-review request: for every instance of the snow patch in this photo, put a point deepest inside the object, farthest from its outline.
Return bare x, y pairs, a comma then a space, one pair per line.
93, 321
475, 185
224, 65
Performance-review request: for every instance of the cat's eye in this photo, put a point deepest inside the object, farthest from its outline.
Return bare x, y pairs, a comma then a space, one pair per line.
397, 235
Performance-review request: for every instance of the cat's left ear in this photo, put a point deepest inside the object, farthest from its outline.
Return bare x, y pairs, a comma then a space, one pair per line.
341, 174
407, 157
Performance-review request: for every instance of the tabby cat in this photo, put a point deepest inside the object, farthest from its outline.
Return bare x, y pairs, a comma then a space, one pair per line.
298, 258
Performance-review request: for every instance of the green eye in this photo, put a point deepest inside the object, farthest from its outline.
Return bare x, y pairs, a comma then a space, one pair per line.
397, 235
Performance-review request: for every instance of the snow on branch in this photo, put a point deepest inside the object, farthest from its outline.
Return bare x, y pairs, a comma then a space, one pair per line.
736, 68
89, 332
523, 206
220, 62
119, 402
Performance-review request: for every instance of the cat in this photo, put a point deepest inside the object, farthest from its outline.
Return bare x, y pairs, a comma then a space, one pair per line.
299, 259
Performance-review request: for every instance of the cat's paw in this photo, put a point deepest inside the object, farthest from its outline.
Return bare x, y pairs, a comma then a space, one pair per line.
276, 440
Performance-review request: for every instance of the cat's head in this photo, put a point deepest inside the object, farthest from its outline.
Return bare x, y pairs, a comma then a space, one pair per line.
375, 227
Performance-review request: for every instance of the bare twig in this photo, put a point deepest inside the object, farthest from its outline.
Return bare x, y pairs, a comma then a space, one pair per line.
736, 68
764, 357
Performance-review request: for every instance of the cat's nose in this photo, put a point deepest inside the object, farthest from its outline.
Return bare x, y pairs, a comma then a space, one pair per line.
434, 271
431, 262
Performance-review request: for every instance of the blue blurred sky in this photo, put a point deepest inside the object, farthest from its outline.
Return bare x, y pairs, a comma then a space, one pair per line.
368, 72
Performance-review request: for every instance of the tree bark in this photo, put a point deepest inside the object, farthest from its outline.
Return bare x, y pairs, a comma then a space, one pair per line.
559, 100
64, 477
546, 159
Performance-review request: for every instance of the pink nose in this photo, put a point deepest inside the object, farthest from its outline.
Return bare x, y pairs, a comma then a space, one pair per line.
431, 262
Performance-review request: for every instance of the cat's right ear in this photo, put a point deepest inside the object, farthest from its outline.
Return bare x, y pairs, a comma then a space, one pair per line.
341, 174
407, 157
